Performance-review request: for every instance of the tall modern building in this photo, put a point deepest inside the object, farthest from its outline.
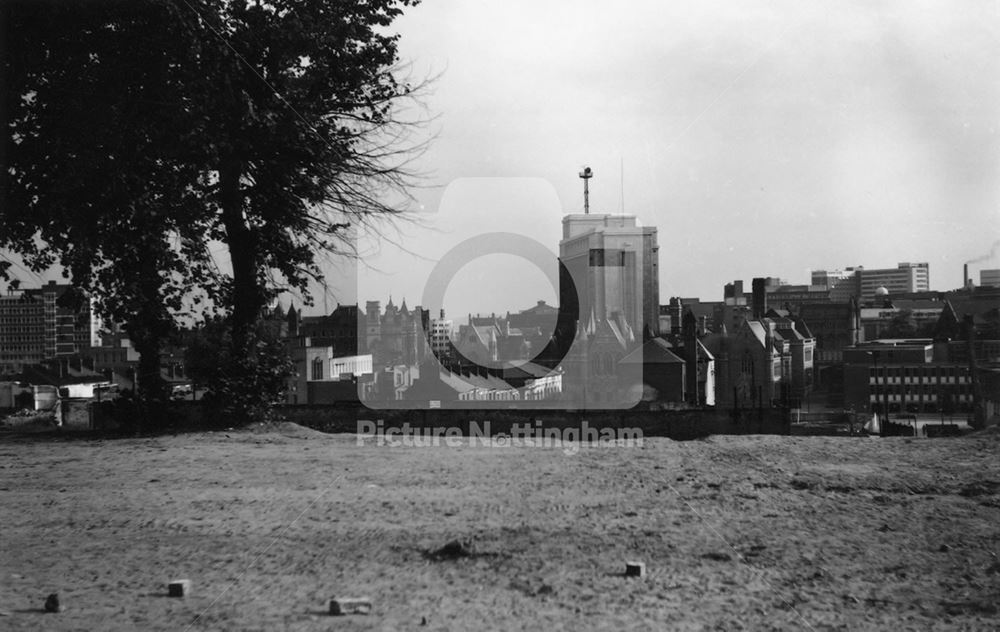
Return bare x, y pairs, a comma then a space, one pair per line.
41, 323
611, 275
905, 277
861, 283
989, 278
440, 334
830, 278
614, 265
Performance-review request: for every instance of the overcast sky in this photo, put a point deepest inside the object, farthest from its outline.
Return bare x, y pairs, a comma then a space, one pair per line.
760, 138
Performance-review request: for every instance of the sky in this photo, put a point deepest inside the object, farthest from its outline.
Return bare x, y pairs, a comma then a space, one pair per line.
760, 138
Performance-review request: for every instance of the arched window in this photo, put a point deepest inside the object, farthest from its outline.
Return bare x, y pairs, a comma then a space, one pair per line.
317, 369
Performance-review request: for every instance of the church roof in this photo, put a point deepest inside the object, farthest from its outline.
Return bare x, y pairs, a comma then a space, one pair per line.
703, 350
787, 331
626, 330
653, 351
609, 329
757, 330
803, 328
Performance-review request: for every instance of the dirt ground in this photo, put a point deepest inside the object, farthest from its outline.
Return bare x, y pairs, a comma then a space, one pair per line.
748, 532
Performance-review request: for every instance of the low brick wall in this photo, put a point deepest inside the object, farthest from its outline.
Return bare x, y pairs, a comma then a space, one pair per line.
340, 418
677, 424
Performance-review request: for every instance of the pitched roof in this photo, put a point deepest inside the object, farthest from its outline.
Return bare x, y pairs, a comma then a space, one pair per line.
948, 325
703, 350
489, 382
757, 330
37, 374
436, 385
624, 327
608, 329
653, 351
803, 328
528, 370
787, 331
540, 308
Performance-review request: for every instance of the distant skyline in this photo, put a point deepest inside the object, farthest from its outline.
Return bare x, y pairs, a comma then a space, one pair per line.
760, 138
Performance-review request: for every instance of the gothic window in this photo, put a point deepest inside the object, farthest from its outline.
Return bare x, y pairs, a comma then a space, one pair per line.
317, 369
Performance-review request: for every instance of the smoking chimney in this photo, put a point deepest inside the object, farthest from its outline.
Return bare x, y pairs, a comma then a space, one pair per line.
965, 276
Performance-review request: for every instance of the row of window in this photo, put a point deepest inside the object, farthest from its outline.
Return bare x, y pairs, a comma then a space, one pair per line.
602, 364
926, 373
923, 390
483, 395
28, 327
338, 368
21, 308
964, 406
21, 333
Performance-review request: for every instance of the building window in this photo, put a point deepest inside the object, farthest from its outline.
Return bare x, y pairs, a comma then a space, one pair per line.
317, 369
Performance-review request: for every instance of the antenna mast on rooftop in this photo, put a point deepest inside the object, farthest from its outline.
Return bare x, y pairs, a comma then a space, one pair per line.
622, 182
586, 175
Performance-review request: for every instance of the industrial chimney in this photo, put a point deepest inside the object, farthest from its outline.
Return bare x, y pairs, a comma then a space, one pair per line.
759, 290
676, 311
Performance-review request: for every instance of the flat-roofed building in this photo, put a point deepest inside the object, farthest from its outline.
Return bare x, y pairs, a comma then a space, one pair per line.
42, 323
989, 278
904, 278
613, 263
907, 376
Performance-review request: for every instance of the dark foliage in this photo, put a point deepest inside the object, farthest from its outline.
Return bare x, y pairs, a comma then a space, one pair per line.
239, 388
142, 134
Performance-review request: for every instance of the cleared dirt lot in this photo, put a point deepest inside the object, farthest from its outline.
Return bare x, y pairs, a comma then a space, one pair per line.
752, 532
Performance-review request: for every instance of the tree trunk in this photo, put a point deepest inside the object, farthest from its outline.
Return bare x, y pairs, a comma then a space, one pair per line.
147, 330
150, 389
247, 298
